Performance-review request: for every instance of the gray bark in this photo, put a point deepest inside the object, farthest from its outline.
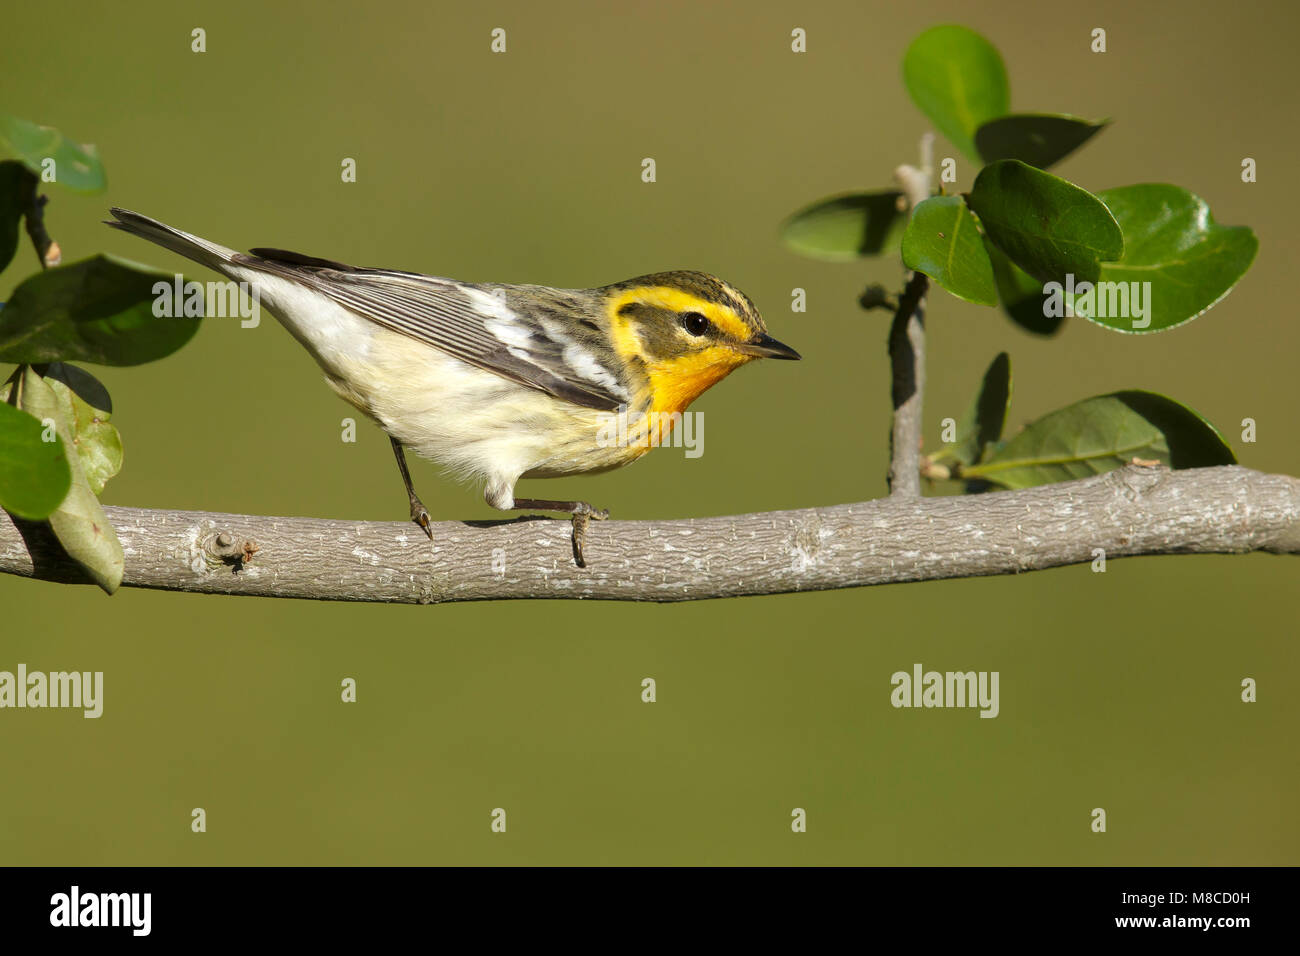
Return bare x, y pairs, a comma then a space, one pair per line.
907, 362
907, 348
1134, 510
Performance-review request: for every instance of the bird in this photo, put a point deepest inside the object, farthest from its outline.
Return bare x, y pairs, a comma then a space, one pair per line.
497, 382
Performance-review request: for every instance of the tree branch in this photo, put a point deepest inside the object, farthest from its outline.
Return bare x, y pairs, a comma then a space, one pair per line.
1133, 510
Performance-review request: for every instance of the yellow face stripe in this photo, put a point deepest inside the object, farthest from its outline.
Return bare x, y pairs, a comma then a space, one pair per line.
626, 342
676, 300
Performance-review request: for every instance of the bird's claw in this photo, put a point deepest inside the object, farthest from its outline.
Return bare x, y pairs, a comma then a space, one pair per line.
421, 517
580, 521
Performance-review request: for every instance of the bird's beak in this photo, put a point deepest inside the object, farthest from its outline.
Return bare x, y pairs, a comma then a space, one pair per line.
767, 347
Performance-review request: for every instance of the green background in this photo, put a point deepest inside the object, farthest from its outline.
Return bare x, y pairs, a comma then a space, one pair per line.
1118, 690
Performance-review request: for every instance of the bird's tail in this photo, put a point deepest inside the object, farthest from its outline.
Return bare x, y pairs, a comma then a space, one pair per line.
192, 247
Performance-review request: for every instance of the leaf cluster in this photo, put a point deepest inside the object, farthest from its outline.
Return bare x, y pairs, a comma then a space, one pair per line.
57, 446
1135, 259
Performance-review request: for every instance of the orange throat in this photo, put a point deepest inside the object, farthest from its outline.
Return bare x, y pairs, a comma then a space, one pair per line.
678, 382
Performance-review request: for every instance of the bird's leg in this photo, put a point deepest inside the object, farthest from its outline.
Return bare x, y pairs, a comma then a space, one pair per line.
582, 513
418, 514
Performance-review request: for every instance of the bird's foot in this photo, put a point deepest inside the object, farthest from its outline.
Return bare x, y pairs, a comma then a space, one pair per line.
581, 517
421, 516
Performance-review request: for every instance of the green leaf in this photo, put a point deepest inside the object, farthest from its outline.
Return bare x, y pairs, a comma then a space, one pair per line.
957, 79
1172, 242
98, 310
1049, 227
1102, 433
79, 522
984, 420
86, 387
1039, 139
85, 408
1022, 295
77, 167
16, 184
34, 475
943, 241
843, 228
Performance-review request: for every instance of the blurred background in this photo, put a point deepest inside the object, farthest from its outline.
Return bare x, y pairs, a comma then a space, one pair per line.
1118, 690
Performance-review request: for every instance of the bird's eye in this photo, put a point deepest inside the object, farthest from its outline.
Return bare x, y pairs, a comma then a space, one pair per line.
695, 323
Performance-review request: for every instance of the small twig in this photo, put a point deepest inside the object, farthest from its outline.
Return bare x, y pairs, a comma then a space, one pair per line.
876, 296
907, 364
47, 250
907, 348
915, 181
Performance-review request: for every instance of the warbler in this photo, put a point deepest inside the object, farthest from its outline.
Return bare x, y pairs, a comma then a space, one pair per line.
500, 382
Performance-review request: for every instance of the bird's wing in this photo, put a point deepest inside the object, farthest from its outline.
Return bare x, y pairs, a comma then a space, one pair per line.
475, 324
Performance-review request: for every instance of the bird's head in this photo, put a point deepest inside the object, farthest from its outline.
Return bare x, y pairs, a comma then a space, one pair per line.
688, 330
